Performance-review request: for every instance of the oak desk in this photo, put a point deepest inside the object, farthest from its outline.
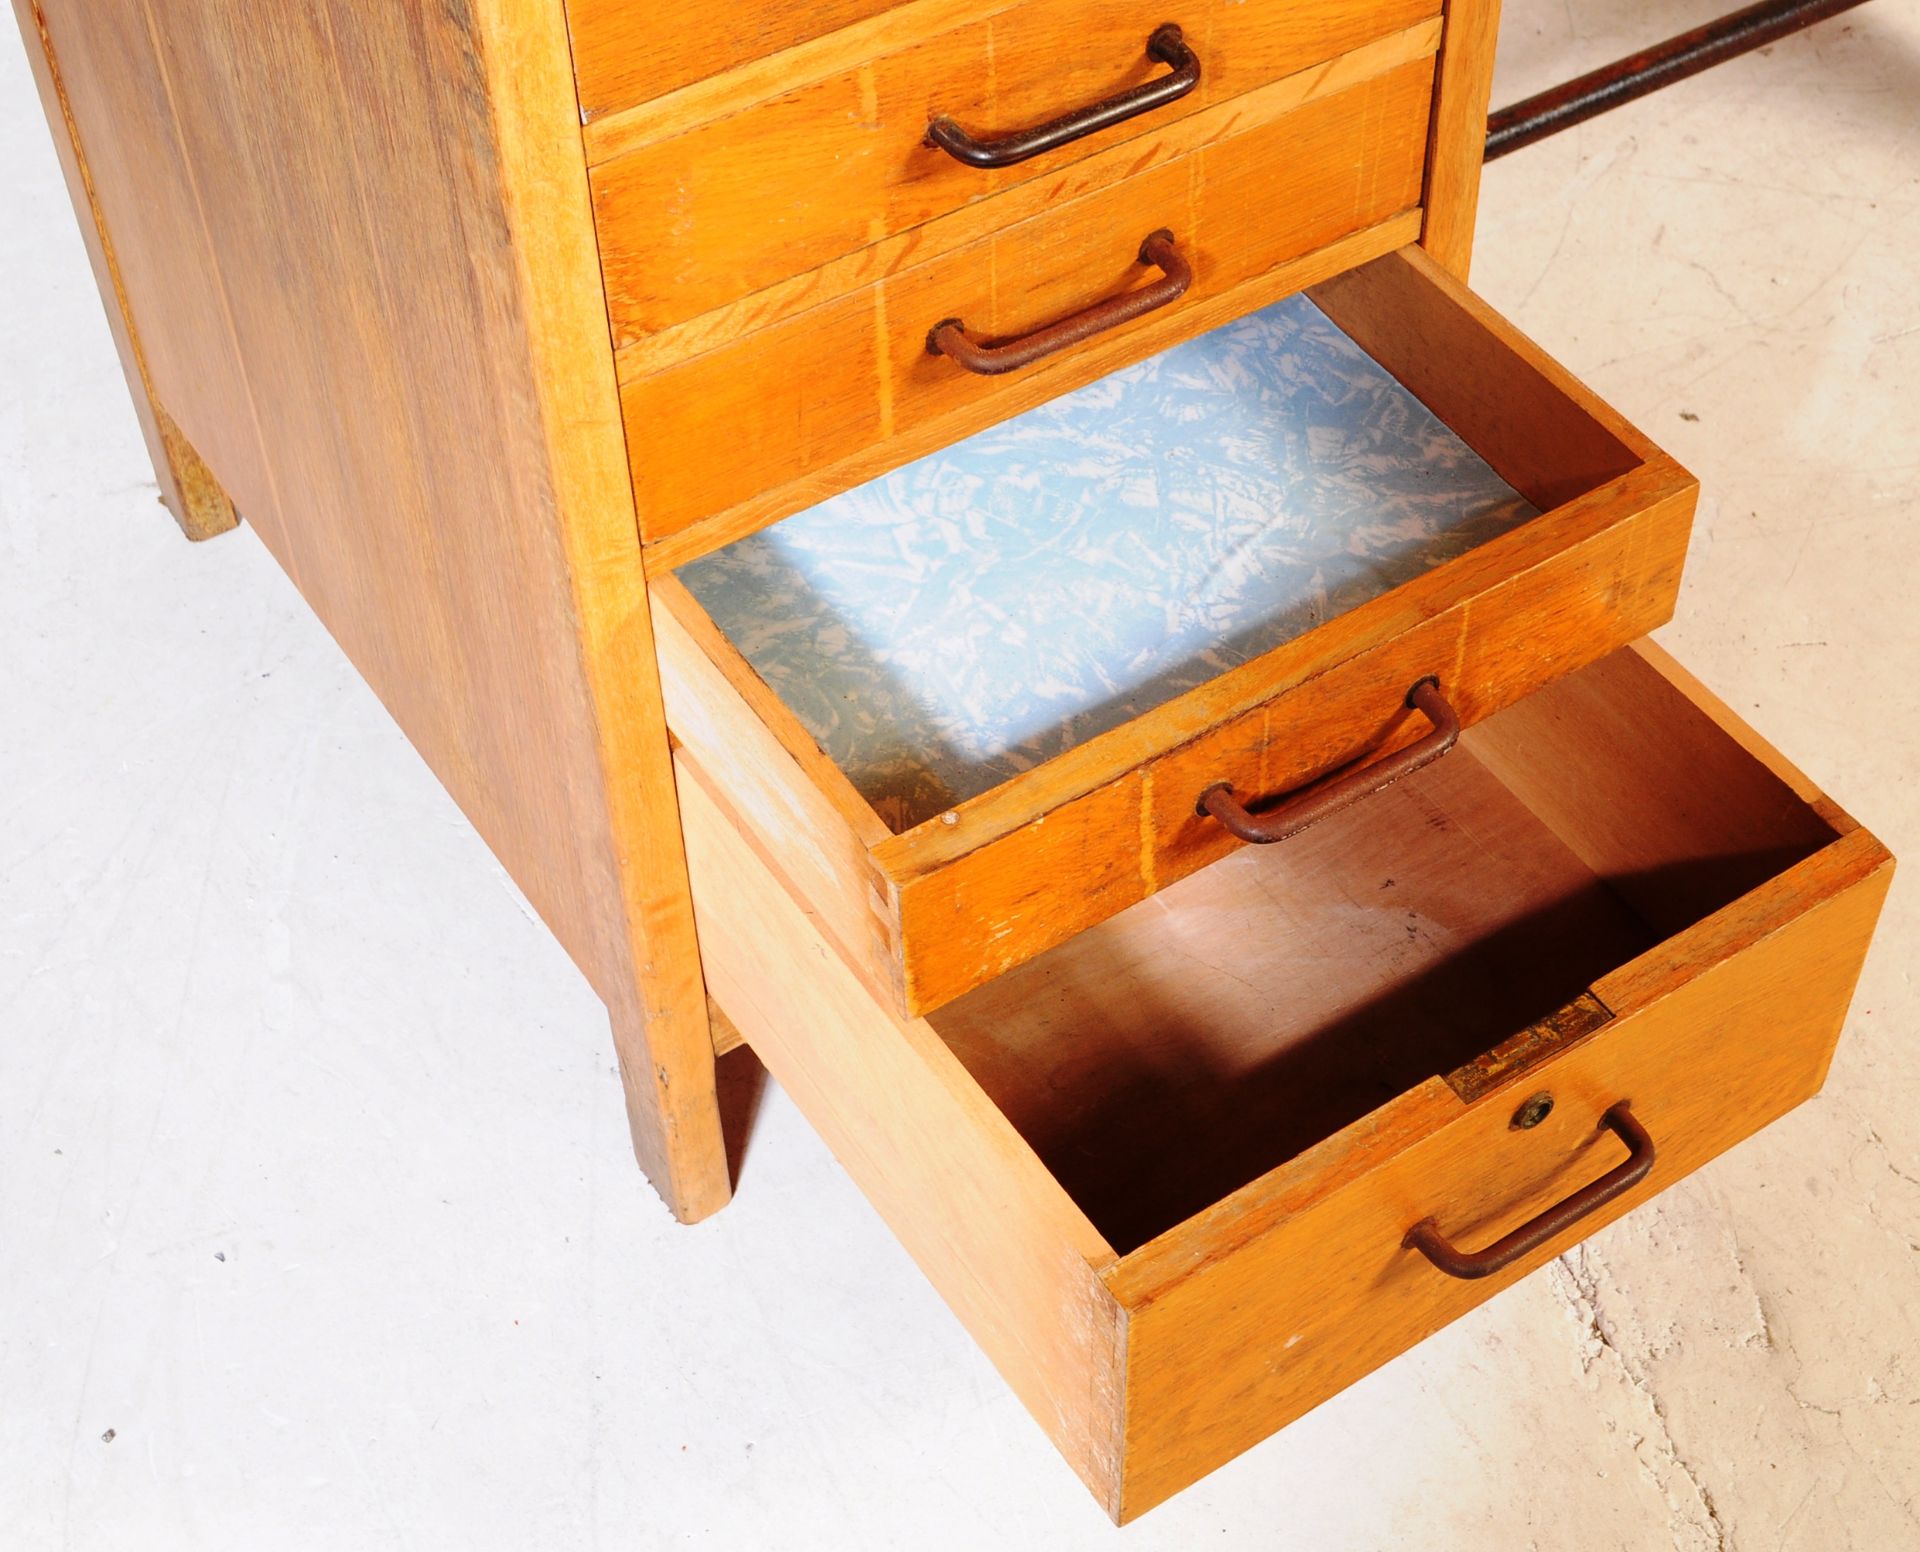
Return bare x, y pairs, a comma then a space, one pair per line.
499, 321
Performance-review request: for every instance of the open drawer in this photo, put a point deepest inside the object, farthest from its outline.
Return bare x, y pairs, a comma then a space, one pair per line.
1418, 491
1215, 1159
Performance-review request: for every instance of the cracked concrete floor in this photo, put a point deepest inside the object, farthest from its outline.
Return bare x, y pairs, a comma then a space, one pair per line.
314, 1191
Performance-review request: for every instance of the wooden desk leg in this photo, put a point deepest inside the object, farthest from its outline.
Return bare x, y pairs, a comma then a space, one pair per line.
187, 486
196, 499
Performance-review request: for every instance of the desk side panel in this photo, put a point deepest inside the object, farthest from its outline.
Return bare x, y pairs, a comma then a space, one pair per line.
357, 244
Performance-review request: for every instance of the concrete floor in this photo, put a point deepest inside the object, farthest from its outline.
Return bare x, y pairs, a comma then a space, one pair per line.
318, 1226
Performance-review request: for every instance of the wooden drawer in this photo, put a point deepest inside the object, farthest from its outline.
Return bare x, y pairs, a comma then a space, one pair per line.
1167, 1173
629, 59
700, 215
930, 913
760, 424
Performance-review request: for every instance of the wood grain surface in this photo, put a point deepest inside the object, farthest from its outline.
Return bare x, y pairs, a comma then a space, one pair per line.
140, 169
1464, 87
1719, 1027
1124, 1082
984, 1220
732, 205
356, 247
932, 913
774, 417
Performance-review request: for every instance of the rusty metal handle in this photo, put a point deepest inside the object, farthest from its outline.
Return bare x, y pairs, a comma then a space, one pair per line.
1167, 45
1318, 802
1426, 1237
949, 337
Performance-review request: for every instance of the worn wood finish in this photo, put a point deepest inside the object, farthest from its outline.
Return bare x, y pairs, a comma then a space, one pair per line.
1460, 132
734, 205
366, 232
1023, 390
199, 503
1144, 1081
140, 170
664, 111
626, 54
778, 415
990, 1228
788, 298
630, 846
1718, 1028
1500, 628
1287, 992
1690, 820
774, 782
927, 915
931, 913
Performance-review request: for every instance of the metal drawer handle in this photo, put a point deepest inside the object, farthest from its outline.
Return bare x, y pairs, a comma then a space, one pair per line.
1318, 802
1167, 45
949, 337
1426, 1237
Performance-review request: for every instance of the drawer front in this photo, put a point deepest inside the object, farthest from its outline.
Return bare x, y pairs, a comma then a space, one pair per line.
626, 54
1317, 1293
1754, 898
968, 916
722, 210
751, 430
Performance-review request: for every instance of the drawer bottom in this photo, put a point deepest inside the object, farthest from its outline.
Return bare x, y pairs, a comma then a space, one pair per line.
1167, 1172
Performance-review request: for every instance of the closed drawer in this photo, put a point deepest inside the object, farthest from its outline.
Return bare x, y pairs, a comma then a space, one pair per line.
1169, 1174
932, 873
626, 54
700, 215
634, 64
759, 424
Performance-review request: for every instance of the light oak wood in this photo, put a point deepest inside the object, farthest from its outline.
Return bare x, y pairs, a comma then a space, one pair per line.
659, 111
1304, 984
790, 297
990, 1228
111, 61
1320, 1274
356, 247
649, 971
1464, 87
1253, 1070
1024, 390
928, 914
789, 404
1689, 821
778, 785
736, 204
627, 54
1159, 1154
188, 488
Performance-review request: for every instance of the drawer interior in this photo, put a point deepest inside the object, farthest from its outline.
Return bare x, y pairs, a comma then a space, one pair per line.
953, 626
967, 617
1165, 1173
1165, 1058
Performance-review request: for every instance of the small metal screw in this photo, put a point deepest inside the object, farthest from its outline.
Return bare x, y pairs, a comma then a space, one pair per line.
1533, 1112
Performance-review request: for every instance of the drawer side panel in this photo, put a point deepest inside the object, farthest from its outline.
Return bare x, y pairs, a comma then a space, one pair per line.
990, 1228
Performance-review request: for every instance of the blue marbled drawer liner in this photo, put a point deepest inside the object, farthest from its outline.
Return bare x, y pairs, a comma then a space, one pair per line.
975, 613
